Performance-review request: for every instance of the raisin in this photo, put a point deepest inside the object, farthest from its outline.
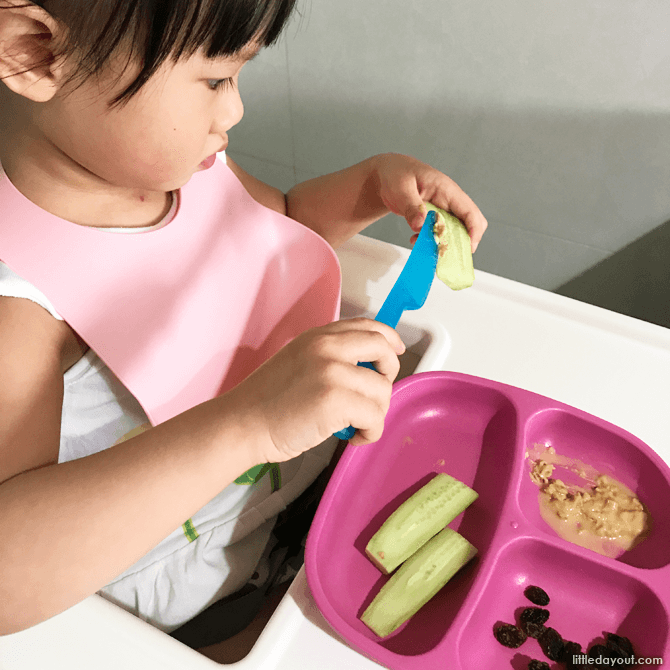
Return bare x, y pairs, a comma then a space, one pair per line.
569, 650
532, 629
538, 665
534, 615
536, 595
572, 649
552, 644
622, 645
509, 635
601, 651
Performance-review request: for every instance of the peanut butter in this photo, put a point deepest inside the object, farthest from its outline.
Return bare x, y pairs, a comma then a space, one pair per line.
606, 517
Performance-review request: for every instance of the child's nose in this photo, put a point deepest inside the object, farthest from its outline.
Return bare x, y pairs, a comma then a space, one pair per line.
230, 113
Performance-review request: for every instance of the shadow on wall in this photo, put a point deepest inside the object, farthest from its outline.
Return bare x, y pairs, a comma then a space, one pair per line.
634, 281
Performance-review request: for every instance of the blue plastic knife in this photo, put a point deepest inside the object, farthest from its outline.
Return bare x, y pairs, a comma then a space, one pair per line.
410, 290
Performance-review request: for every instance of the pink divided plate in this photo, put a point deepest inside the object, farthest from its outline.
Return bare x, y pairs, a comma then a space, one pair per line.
478, 431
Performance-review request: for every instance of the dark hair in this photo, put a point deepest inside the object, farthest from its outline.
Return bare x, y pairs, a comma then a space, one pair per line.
154, 30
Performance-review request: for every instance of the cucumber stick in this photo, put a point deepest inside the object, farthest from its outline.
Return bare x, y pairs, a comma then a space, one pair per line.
417, 581
454, 251
420, 517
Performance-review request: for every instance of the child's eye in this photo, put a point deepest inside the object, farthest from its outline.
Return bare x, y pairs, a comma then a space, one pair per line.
220, 84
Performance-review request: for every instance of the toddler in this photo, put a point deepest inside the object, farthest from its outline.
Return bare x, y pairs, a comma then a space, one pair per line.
172, 363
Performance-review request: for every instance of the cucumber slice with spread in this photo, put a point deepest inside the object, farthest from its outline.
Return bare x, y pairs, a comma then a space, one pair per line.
420, 517
417, 581
454, 253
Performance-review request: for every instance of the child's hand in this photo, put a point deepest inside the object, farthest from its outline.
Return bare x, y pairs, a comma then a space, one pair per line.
405, 183
312, 387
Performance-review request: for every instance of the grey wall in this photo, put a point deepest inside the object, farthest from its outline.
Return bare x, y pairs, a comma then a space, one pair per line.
553, 116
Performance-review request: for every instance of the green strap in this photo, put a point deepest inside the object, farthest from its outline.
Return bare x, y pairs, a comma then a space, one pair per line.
255, 474
251, 476
190, 531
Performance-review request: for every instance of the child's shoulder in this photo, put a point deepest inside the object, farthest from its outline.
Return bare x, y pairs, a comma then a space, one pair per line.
33, 341
28, 320
14, 286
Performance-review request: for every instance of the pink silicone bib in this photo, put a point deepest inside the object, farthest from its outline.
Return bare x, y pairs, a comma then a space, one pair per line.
184, 312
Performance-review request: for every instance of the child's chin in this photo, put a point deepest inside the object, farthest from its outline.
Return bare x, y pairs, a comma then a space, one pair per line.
181, 181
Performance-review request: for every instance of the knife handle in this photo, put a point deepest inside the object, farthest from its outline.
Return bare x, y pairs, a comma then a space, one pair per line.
348, 433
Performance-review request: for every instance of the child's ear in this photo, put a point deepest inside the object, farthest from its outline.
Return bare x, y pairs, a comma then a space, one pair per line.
28, 61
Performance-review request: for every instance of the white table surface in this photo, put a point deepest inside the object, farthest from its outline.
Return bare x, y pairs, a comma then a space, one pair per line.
610, 365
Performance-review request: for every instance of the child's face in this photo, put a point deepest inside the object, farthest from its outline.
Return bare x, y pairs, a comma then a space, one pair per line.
158, 140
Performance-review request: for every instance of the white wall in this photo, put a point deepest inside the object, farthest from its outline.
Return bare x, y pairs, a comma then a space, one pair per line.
553, 116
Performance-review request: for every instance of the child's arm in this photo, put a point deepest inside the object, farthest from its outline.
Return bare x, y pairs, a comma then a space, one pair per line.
70, 528
339, 205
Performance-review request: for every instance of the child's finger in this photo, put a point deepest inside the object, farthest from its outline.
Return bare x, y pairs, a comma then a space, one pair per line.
406, 200
362, 323
353, 347
464, 208
385, 363
367, 415
367, 436
415, 214
475, 224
